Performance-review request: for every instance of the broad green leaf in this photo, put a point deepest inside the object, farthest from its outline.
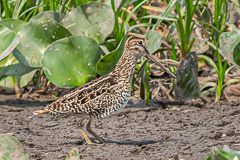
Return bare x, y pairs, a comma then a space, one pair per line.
13, 24
153, 39
236, 54
225, 154
8, 41
26, 78
71, 62
22, 80
10, 59
11, 148
235, 153
50, 14
73, 155
11, 67
15, 70
94, 19
186, 84
228, 41
108, 62
36, 37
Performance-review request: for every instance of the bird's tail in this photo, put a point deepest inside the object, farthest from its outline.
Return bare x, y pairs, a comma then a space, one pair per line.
39, 112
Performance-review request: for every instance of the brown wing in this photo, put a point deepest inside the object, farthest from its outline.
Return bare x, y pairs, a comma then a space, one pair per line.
81, 99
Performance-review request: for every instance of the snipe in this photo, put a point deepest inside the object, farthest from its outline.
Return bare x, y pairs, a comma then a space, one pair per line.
106, 95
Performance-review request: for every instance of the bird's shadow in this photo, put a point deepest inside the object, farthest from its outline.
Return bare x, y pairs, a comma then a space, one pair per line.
122, 142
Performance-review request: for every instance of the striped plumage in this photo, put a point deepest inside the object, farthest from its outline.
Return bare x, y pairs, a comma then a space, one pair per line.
104, 96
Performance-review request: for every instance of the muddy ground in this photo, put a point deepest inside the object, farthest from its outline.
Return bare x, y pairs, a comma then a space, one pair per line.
140, 132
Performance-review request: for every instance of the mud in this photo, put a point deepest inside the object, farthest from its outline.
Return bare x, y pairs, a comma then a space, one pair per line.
139, 132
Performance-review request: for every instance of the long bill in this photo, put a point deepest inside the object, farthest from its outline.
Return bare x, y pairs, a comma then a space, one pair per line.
153, 58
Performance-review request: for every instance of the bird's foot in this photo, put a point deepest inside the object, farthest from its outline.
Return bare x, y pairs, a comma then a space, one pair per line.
94, 144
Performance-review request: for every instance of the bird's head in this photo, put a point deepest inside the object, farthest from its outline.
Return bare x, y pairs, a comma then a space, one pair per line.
136, 46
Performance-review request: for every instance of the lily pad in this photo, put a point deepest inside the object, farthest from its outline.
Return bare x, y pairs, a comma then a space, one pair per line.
36, 37
23, 80
50, 14
71, 62
153, 41
228, 41
8, 41
13, 24
94, 19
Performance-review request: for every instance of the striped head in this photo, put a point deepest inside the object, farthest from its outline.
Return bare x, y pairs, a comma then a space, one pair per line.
136, 46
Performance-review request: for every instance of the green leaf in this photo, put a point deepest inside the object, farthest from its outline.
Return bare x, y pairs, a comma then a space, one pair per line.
208, 88
73, 155
94, 19
71, 62
36, 37
186, 84
142, 69
11, 148
108, 62
224, 155
140, 25
235, 153
11, 67
236, 54
167, 10
13, 24
199, 46
134, 9
231, 81
50, 14
213, 46
8, 42
153, 39
210, 61
228, 42
15, 70
160, 17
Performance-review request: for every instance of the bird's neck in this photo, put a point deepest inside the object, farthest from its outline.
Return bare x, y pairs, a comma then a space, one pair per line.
125, 67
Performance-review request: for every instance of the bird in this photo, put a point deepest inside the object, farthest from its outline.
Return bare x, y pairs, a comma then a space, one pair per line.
106, 95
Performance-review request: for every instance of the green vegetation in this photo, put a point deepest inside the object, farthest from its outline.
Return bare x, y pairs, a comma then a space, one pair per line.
10, 148
225, 154
71, 42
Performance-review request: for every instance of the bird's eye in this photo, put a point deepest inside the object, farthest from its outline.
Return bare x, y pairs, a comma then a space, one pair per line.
140, 42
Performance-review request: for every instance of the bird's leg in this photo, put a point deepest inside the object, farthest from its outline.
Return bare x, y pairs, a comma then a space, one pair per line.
79, 127
93, 133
